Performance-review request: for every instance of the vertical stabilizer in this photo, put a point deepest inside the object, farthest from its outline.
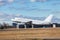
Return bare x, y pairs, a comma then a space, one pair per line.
49, 18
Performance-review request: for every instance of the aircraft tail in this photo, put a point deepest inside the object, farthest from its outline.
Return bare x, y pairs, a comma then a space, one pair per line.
49, 18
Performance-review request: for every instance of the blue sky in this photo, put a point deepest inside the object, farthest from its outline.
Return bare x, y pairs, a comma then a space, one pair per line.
34, 8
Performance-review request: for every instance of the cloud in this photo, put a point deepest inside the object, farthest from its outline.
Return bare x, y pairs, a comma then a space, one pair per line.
4, 2
33, 0
1, 0
10, 1
42, 0
1, 3
2, 19
55, 12
38, 0
56, 3
17, 15
1, 13
9, 15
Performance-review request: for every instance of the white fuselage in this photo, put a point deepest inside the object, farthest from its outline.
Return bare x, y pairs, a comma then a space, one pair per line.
24, 20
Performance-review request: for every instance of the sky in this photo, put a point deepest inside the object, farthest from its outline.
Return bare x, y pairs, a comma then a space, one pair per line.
33, 8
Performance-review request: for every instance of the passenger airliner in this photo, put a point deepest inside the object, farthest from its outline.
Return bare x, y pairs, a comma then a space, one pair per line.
24, 20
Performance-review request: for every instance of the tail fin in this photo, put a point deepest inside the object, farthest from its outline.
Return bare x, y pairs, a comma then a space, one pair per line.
49, 18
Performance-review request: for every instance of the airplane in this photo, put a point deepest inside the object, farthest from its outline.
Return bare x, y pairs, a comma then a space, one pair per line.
25, 20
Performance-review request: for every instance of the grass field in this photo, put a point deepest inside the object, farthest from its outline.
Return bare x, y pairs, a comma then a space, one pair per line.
30, 34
